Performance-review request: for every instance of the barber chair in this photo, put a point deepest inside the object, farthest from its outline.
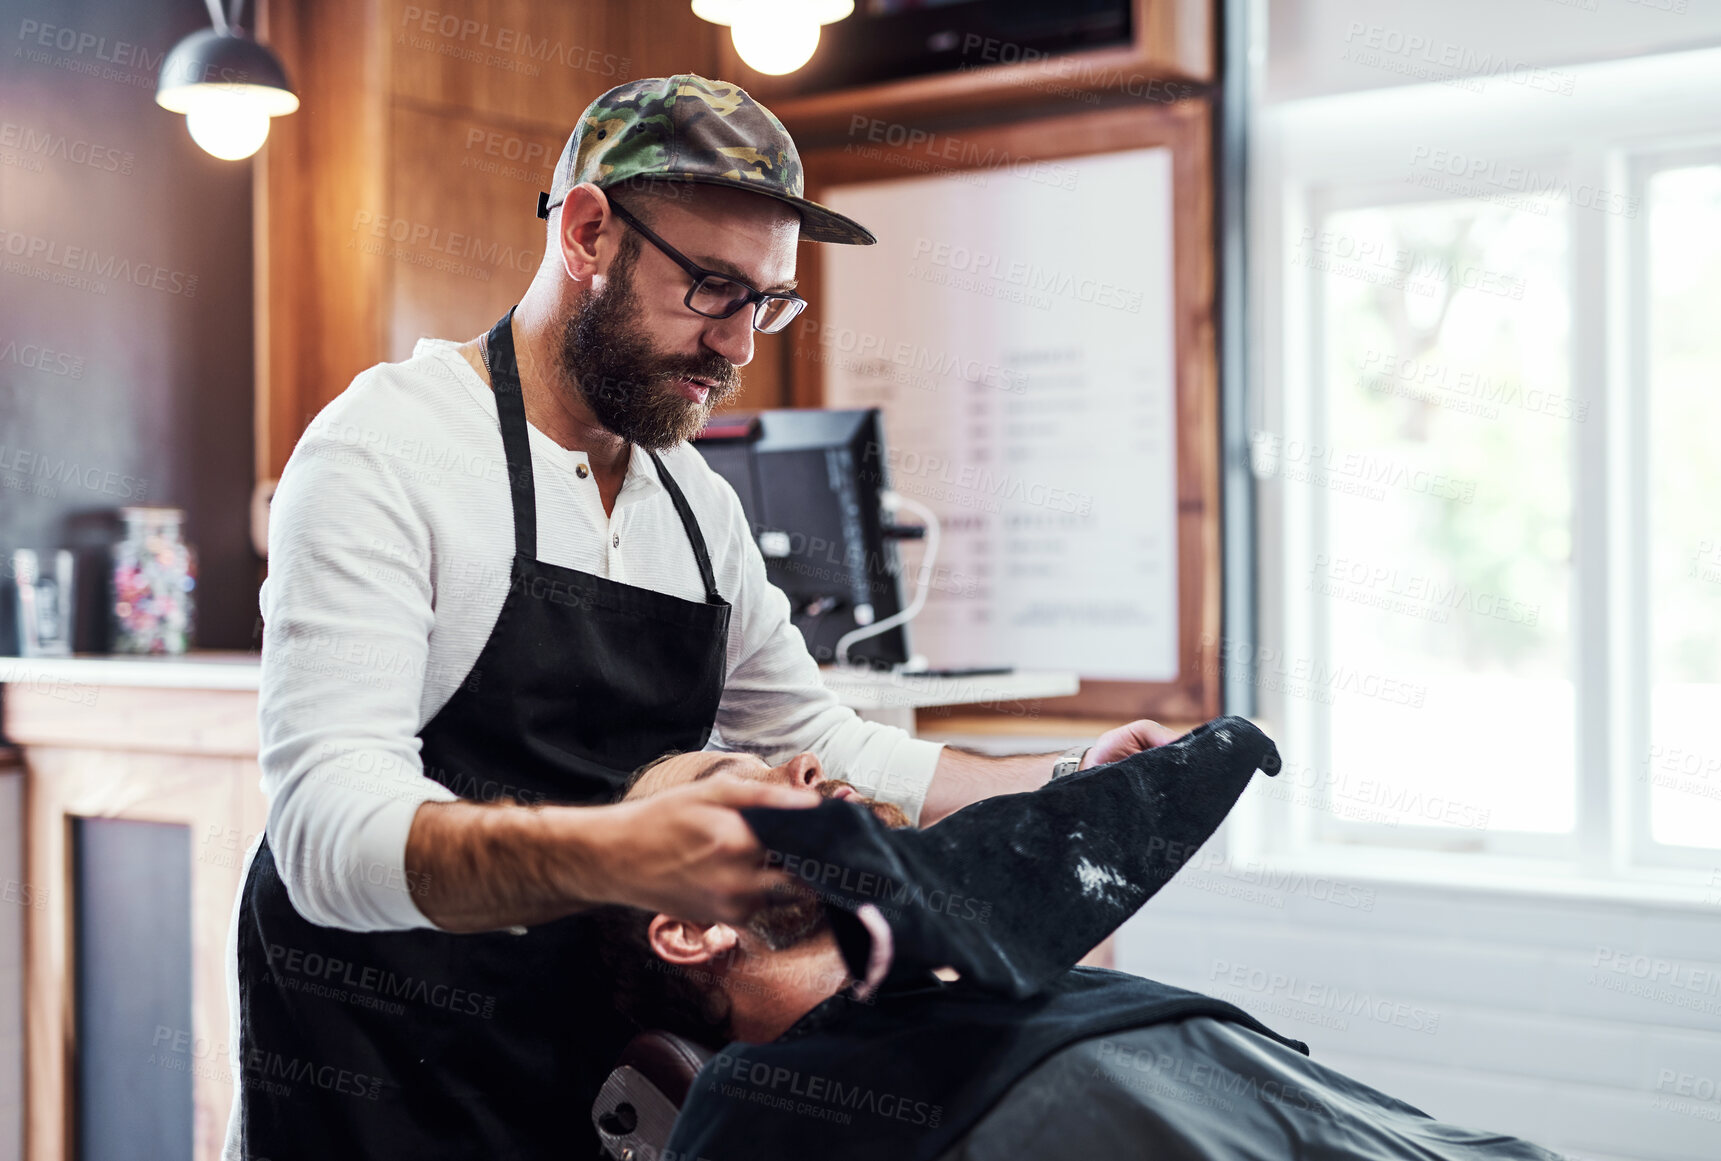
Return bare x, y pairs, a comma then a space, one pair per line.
636, 1107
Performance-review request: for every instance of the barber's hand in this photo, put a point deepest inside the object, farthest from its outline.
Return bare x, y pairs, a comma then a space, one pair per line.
688, 853
1126, 740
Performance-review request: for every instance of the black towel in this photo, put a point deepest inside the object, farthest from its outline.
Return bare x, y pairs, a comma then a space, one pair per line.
1013, 890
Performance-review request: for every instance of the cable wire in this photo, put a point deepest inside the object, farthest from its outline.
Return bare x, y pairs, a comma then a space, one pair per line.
892, 501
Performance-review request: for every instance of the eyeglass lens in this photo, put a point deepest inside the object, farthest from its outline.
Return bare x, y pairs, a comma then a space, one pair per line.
721, 297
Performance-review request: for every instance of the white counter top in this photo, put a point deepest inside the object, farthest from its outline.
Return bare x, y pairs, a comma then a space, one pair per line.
200, 669
217, 669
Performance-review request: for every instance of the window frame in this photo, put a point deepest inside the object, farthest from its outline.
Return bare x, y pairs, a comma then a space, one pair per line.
1632, 318
1315, 156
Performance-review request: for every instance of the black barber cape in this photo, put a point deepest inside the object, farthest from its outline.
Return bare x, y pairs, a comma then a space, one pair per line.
1011, 892
904, 1077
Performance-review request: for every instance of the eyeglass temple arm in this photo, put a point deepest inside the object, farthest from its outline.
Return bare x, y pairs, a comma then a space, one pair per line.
757, 296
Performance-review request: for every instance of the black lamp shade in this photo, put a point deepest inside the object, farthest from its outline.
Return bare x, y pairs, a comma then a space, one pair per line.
223, 61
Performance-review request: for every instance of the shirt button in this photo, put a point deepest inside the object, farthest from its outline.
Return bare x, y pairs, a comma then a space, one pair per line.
615, 541
580, 471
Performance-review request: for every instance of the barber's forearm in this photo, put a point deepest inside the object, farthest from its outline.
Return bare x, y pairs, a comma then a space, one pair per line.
479, 867
962, 777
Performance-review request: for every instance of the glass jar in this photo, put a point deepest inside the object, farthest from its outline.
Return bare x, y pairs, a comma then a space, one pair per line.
155, 575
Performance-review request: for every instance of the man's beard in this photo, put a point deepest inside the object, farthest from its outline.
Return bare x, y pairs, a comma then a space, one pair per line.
631, 387
796, 912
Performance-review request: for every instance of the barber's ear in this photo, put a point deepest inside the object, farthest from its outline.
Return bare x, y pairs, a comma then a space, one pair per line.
580, 234
678, 941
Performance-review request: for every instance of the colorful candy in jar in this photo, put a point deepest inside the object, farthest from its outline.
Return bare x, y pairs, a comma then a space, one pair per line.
155, 576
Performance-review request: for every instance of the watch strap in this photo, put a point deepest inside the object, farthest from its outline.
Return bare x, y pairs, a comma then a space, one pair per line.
1069, 761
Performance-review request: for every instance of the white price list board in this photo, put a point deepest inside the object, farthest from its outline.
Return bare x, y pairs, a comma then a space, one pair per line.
1016, 328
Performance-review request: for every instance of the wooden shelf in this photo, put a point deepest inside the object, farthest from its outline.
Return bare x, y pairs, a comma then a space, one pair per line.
1172, 58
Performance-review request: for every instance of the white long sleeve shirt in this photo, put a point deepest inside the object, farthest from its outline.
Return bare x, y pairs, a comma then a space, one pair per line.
390, 539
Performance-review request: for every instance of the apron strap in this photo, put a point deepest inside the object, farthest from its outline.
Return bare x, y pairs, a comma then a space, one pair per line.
511, 409
694, 536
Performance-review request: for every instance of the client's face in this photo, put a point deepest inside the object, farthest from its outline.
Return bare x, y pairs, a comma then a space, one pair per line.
801, 770
795, 914
782, 960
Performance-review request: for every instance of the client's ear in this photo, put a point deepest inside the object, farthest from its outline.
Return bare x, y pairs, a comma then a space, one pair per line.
678, 941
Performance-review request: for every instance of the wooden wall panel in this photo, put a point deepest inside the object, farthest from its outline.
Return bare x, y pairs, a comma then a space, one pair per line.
526, 61
464, 238
319, 304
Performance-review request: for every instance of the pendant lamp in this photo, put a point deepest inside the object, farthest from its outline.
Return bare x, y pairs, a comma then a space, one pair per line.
774, 36
227, 85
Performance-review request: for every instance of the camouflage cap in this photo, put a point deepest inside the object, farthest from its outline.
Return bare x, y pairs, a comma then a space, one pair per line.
689, 129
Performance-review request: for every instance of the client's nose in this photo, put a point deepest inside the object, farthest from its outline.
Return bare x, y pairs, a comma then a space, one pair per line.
803, 770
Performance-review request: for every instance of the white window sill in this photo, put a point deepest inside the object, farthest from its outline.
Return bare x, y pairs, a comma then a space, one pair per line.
1671, 888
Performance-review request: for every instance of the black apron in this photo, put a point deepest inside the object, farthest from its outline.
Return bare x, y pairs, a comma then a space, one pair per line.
423, 1044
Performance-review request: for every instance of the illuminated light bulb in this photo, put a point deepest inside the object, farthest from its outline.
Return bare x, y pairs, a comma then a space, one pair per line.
226, 124
228, 86
775, 36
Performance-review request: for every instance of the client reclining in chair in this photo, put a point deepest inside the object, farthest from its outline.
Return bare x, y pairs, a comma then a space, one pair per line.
913, 996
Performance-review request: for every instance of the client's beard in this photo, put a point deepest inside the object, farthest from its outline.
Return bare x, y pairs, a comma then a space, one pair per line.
627, 383
797, 913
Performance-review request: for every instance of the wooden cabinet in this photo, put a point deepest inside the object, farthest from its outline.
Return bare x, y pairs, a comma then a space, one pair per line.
183, 753
1172, 57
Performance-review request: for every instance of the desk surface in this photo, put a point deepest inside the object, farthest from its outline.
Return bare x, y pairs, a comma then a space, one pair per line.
863, 689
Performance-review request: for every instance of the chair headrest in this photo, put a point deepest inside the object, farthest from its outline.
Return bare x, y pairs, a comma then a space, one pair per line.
635, 1111
669, 1061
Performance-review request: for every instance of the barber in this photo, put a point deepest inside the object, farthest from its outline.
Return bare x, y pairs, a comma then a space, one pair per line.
500, 580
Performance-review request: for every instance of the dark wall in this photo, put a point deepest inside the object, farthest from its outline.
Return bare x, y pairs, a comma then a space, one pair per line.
125, 308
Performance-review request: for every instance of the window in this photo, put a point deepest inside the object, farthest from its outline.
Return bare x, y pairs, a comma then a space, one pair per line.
1485, 415
1681, 321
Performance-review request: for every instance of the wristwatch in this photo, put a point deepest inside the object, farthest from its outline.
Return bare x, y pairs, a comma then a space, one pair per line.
1069, 761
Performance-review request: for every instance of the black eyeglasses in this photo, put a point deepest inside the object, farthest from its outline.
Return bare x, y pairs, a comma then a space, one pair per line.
718, 295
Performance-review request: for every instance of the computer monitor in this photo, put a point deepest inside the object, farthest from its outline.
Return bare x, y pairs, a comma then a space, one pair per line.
810, 483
